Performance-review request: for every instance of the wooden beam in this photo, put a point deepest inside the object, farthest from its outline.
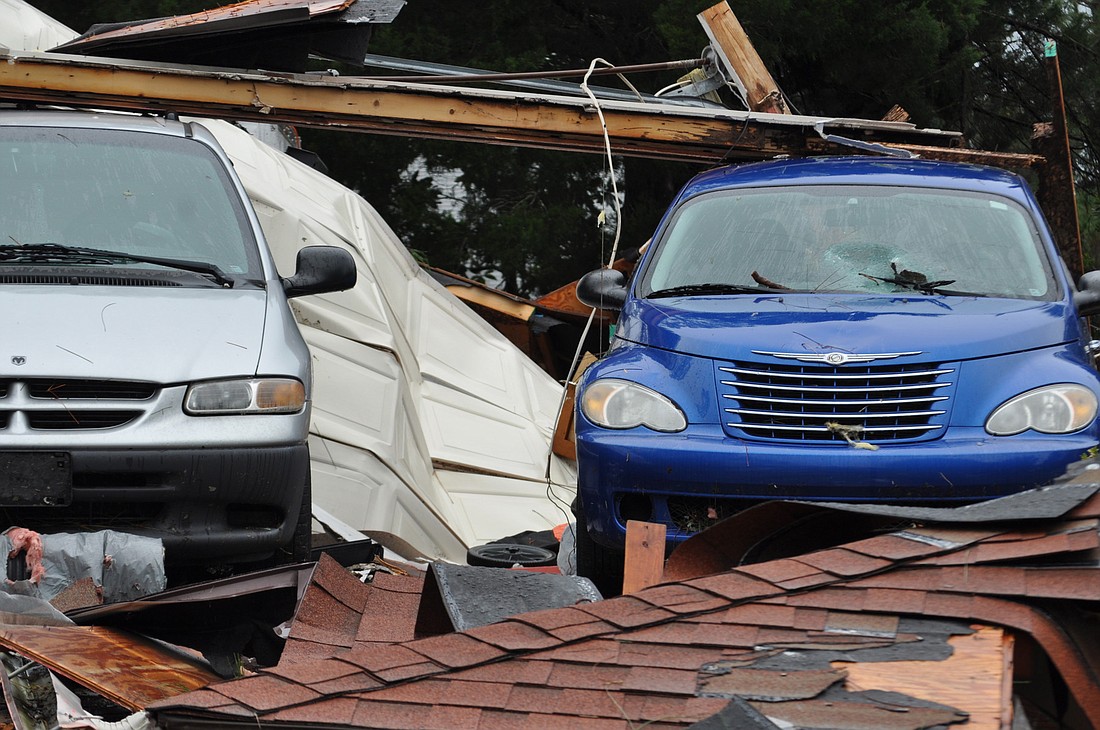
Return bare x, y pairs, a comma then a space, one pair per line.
735, 51
976, 678
660, 131
645, 555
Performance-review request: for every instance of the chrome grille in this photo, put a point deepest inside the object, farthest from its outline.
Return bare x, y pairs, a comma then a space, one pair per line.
60, 404
822, 403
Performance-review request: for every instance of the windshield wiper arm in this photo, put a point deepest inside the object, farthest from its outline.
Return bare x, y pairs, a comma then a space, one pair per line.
689, 290
42, 252
924, 287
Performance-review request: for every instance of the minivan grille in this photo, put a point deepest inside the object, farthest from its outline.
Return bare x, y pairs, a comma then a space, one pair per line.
71, 404
822, 403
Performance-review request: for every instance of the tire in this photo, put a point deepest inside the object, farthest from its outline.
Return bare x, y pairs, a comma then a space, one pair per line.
603, 566
505, 555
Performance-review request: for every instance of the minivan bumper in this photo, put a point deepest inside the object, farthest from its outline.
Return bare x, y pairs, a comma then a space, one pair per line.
204, 503
644, 475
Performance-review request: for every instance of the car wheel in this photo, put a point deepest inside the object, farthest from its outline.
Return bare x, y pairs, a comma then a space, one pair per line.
603, 566
505, 555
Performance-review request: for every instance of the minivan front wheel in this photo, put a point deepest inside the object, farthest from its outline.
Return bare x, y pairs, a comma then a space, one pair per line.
603, 566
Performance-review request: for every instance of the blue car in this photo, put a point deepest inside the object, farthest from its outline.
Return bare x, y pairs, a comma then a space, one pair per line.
833, 329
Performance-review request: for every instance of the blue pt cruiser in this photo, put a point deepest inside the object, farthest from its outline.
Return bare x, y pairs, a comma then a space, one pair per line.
853, 329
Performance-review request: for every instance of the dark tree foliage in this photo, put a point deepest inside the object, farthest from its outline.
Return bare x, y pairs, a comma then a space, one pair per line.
526, 218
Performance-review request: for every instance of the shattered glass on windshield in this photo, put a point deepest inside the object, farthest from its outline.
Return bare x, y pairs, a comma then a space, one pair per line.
867, 239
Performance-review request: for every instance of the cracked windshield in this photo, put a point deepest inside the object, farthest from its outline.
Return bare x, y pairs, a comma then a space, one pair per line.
68, 191
850, 239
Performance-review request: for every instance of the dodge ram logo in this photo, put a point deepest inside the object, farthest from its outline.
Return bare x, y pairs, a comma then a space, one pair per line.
18, 360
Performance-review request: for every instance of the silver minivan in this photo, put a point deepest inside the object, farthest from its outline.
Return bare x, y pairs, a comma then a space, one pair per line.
152, 377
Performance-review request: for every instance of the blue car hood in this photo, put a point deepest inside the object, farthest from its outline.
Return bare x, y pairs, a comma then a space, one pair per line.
949, 328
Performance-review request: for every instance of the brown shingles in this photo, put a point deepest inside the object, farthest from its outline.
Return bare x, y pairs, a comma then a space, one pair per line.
381, 657
324, 619
556, 618
626, 612
862, 624
265, 692
582, 631
334, 710
587, 676
502, 720
639, 654
733, 585
338, 583
388, 715
456, 650
514, 636
777, 571
657, 679
540, 670
518, 670
397, 674
842, 562
449, 691
680, 598
592, 651
895, 601
313, 672
358, 682
1081, 583
388, 617
894, 547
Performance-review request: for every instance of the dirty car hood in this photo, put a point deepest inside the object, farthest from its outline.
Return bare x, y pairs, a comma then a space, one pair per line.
164, 335
801, 323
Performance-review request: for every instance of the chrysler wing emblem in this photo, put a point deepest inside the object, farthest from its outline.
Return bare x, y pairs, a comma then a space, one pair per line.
835, 358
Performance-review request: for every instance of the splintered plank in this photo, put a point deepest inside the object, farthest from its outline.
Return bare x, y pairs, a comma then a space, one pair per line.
976, 678
645, 555
127, 669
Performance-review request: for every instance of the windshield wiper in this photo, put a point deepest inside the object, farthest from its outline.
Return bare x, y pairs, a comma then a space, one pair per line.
47, 252
690, 290
923, 286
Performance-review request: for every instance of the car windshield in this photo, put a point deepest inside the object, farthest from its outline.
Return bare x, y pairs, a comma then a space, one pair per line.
852, 239
147, 195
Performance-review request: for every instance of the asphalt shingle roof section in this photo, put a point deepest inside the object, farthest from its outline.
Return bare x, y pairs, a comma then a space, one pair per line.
753, 642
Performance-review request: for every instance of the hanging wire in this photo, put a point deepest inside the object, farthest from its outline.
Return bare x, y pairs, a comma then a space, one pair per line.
611, 258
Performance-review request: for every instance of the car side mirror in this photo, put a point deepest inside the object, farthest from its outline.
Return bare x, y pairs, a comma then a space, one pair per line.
1087, 296
602, 289
321, 269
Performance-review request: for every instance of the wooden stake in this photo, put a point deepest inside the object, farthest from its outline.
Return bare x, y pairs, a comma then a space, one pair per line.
645, 555
740, 59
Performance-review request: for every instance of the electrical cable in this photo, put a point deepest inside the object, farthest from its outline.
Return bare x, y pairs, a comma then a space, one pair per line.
611, 259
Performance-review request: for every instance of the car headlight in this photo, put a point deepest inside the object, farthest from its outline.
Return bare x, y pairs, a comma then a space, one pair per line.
1061, 408
259, 395
615, 403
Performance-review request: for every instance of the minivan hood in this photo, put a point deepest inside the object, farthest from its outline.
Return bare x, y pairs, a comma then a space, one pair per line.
165, 335
801, 323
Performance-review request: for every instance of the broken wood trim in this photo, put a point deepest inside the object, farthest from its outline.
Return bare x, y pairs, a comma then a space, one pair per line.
659, 131
644, 564
738, 56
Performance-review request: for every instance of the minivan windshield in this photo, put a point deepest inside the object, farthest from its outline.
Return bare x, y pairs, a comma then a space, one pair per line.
150, 196
847, 238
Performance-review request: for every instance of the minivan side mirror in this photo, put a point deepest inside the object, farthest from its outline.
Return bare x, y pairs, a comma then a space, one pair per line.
321, 269
602, 289
1087, 296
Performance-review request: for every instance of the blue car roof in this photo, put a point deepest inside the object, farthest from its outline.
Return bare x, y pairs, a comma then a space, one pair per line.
866, 170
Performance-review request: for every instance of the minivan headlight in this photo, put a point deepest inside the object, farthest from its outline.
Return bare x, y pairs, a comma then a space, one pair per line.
258, 395
613, 403
1061, 408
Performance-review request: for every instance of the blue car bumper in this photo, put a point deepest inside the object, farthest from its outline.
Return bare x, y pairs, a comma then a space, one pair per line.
689, 479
